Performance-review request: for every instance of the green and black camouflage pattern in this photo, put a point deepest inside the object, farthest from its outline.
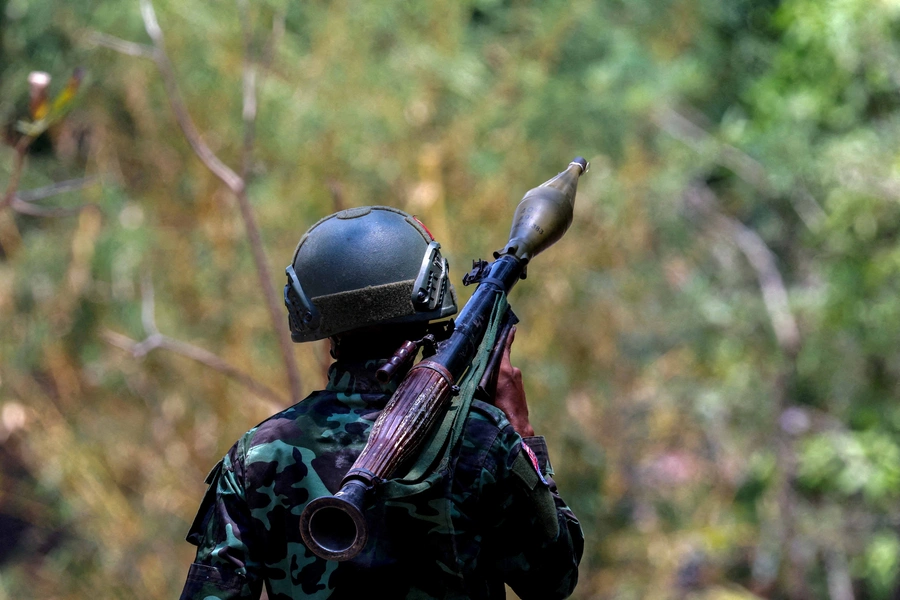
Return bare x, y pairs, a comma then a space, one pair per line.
488, 519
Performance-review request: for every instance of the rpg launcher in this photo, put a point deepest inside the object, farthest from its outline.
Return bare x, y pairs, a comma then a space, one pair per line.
334, 527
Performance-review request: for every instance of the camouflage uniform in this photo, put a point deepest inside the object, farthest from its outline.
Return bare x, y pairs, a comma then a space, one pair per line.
493, 515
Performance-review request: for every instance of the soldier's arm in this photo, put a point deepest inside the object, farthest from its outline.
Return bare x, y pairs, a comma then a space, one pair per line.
540, 541
224, 568
537, 542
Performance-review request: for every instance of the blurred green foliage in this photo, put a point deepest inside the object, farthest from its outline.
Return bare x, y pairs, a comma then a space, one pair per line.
706, 459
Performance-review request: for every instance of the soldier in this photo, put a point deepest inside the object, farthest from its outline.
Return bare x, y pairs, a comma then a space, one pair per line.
492, 515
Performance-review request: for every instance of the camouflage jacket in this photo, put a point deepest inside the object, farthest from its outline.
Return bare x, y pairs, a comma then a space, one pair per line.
493, 517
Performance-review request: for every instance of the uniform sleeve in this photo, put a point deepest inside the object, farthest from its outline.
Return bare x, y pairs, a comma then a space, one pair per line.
539, 540
224, 568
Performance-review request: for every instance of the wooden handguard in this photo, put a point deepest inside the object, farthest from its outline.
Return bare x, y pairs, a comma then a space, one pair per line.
404, 423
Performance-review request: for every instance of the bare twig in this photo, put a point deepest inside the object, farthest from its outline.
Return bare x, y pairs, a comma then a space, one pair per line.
808, 208
9, 232
155, 340
205, 357
148, 306
15, 175
253, 73
249, 112
740, 163
787, 334
161, 58
764, 264
685, 130
22, 202
278, 23
235, 182
70, 185
33, 210
840, 584
337, 194
249, 115
119, 45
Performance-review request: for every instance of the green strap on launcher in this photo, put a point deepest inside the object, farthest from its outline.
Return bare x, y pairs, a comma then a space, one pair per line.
434, 459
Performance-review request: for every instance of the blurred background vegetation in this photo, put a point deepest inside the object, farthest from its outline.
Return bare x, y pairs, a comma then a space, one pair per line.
711, 350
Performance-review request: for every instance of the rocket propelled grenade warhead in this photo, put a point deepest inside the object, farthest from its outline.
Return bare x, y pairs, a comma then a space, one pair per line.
544, 214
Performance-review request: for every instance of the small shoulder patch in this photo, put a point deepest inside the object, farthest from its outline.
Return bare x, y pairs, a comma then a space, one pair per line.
534, 462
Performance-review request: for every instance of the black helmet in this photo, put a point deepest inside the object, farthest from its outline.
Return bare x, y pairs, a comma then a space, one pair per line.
365, 266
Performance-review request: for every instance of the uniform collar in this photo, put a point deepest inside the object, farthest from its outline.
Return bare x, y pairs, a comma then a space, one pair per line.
358, 377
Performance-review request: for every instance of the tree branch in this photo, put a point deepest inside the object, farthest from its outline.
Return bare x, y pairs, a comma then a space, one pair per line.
761, 259
693, 135
61, 187
278, 24
9, 232
33, 210
236, 183
787, 334
248, 78
161, 58
155, 340
840, 583
740, 163
119, 45
249, 113
22, 201
16, 174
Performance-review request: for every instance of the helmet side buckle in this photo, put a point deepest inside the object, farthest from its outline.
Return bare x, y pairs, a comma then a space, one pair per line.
431, 282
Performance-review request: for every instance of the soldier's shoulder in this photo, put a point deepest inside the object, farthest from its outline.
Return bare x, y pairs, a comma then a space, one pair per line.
284, 428
489, 414
488, 435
